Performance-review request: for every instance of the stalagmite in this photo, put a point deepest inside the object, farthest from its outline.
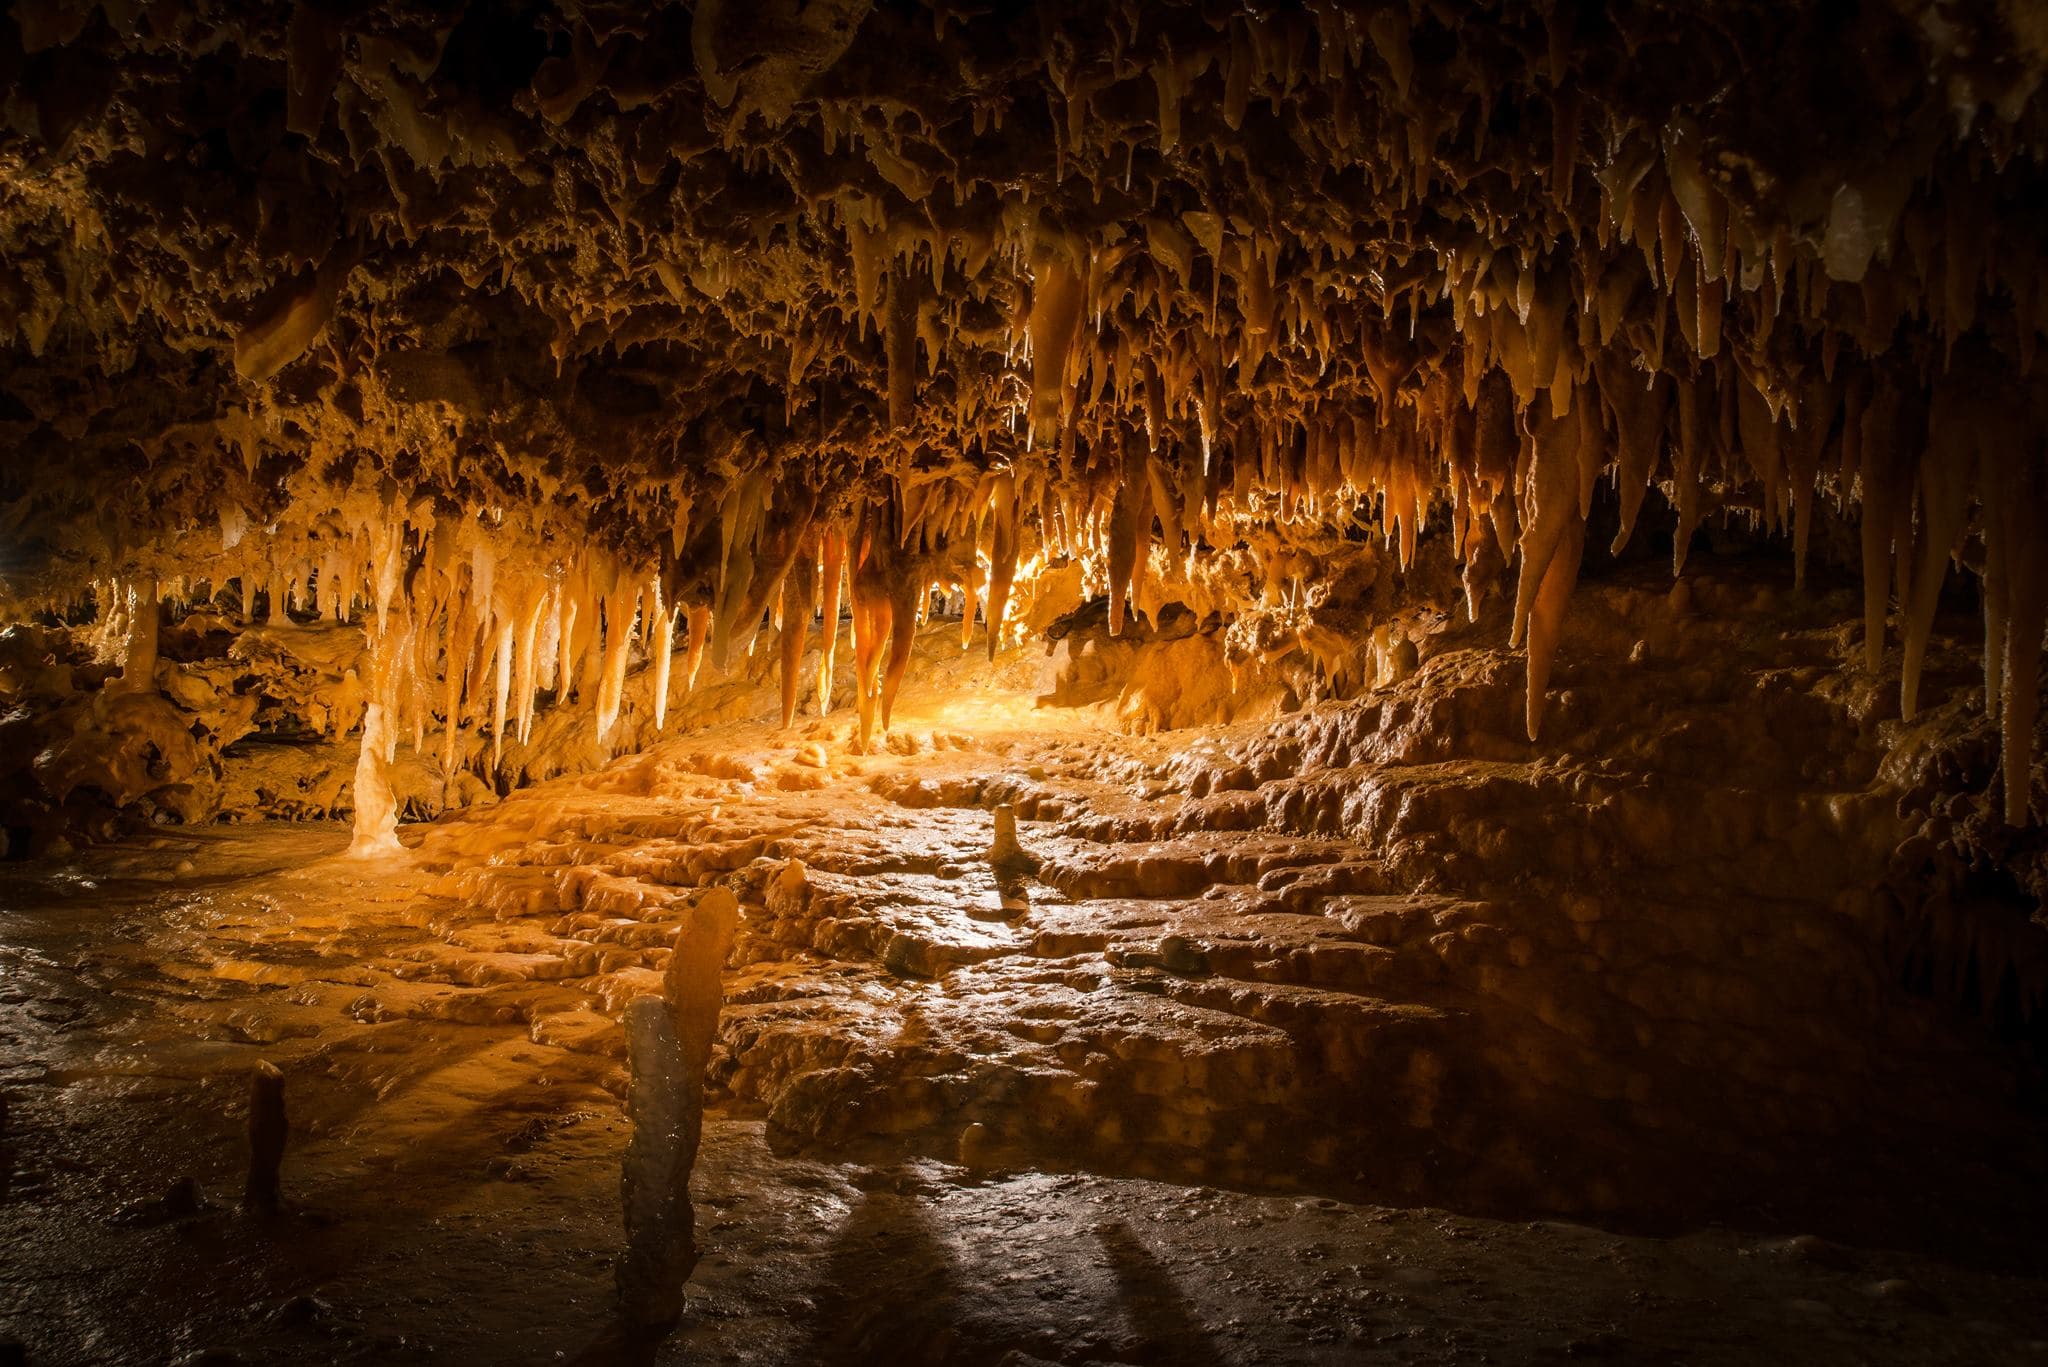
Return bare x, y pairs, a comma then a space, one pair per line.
670, 1045
660, 1228
268, 1131
1008, 858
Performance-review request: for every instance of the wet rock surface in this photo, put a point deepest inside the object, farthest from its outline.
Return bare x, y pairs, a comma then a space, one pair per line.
1202, 1087
1118, 536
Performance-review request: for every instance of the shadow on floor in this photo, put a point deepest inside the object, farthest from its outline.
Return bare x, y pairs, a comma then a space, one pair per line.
890, 1289
1159, 1314
619, 1347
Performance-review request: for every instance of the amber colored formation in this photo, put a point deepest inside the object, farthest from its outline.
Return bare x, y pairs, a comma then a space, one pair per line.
522, 334
1119, 532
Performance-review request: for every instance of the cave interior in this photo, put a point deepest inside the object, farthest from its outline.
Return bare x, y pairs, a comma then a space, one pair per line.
965, 681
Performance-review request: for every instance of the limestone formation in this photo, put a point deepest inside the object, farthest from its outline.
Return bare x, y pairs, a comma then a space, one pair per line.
670, 1039
1441, 602
1045, 309
268, 1132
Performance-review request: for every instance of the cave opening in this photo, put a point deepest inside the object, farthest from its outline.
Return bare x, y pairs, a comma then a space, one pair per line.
880, 680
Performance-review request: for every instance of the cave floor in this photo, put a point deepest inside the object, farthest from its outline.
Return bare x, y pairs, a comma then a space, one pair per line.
453, 1198
1030, 1136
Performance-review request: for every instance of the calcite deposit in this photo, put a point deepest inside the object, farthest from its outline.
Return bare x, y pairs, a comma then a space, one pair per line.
1112, 544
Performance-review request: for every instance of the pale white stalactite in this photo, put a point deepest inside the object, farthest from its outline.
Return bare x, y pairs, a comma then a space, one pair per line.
451, 689
564, 671
387, 561
376, 805
621, 607
832, 568
501, 688
548, 653
327, 589
526, 684
663, 647
698, 621
483, 575
376, 818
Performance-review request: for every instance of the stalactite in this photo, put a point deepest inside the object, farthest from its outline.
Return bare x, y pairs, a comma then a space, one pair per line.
662, 645
2019, 517
1880, 480
697, 618
873, 575
1003, 549
501, 687
451, 693
1546, 618
833, 573
526, 680
900, 343
376, 806
1946, 477
799, 600
140, 616
621, 611
1240, 362
1055, 316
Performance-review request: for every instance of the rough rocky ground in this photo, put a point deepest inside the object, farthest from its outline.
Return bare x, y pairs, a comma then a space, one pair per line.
1206, 1086
453, 1200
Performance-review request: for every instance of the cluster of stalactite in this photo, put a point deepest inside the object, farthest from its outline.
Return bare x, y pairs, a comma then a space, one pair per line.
756, 305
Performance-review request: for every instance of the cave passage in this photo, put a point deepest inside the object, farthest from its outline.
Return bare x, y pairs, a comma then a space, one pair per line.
884, 681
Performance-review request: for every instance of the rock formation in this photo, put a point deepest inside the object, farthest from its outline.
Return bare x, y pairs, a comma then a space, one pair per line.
498, 325
1523, 528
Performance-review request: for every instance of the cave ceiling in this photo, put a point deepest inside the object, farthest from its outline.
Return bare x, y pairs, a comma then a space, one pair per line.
1162, 287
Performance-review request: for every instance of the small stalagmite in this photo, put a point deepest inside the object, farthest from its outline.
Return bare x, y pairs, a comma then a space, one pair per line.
1008, 858
268, 1131
669, 1043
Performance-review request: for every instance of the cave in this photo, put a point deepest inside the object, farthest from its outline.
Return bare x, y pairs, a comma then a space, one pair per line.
968, 681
